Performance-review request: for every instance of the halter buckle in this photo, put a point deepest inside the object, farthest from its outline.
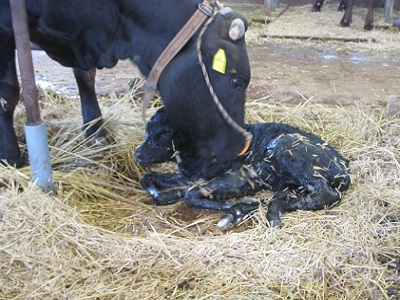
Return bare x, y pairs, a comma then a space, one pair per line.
206, 9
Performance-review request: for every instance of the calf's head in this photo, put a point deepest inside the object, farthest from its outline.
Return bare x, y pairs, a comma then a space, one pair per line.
157, 146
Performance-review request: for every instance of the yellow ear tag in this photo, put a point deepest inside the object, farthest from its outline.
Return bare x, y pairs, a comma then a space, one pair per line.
233, 71
219, 62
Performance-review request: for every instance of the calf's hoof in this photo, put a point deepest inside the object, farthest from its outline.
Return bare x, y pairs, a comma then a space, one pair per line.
148, 180
274, 223
227, 222
237, 213
164, 198
274, 215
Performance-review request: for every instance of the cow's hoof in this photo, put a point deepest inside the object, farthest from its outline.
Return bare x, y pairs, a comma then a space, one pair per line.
345, 23
369, 26
99, 141
316, 9
100, 145
15, 162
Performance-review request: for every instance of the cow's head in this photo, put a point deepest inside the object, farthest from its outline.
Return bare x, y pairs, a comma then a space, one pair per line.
187, 98
157, 146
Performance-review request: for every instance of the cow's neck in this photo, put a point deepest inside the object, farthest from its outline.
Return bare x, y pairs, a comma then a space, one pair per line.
150, 27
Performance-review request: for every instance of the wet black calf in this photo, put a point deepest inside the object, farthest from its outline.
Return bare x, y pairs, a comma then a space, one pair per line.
304, 172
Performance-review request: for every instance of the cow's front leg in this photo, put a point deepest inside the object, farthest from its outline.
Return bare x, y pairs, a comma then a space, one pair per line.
9, 148
165, 188
91, 113
318, 196
9, 96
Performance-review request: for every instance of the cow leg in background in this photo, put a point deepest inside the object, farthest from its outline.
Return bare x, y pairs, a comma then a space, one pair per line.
317, 5
342, 5
9, 96
319, 196
165, 188
90, 106
369, 19
346, 20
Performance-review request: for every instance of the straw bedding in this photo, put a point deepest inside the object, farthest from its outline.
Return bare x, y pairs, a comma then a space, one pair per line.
99, 237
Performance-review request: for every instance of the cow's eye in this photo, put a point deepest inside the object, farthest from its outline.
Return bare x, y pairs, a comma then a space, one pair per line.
237, 84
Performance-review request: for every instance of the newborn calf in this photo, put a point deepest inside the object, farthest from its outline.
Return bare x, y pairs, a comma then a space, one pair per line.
304, 172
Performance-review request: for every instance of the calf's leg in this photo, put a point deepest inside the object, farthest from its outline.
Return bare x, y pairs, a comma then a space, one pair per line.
233, 184
235, 212
165, 188
320, 196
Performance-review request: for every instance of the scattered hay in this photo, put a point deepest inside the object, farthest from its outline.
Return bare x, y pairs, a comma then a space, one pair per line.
100, 237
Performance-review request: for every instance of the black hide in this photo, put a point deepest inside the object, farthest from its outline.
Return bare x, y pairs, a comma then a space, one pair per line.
304, 172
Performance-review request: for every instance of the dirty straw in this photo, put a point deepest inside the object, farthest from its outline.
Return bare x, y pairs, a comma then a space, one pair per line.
99, 237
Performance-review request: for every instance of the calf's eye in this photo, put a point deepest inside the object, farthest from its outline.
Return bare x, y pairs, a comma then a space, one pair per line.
166, 135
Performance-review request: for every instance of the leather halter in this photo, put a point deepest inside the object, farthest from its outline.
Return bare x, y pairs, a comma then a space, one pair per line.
205, 10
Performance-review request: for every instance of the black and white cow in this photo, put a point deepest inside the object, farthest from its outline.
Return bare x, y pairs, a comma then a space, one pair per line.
347, 6
92, 34
304, 172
